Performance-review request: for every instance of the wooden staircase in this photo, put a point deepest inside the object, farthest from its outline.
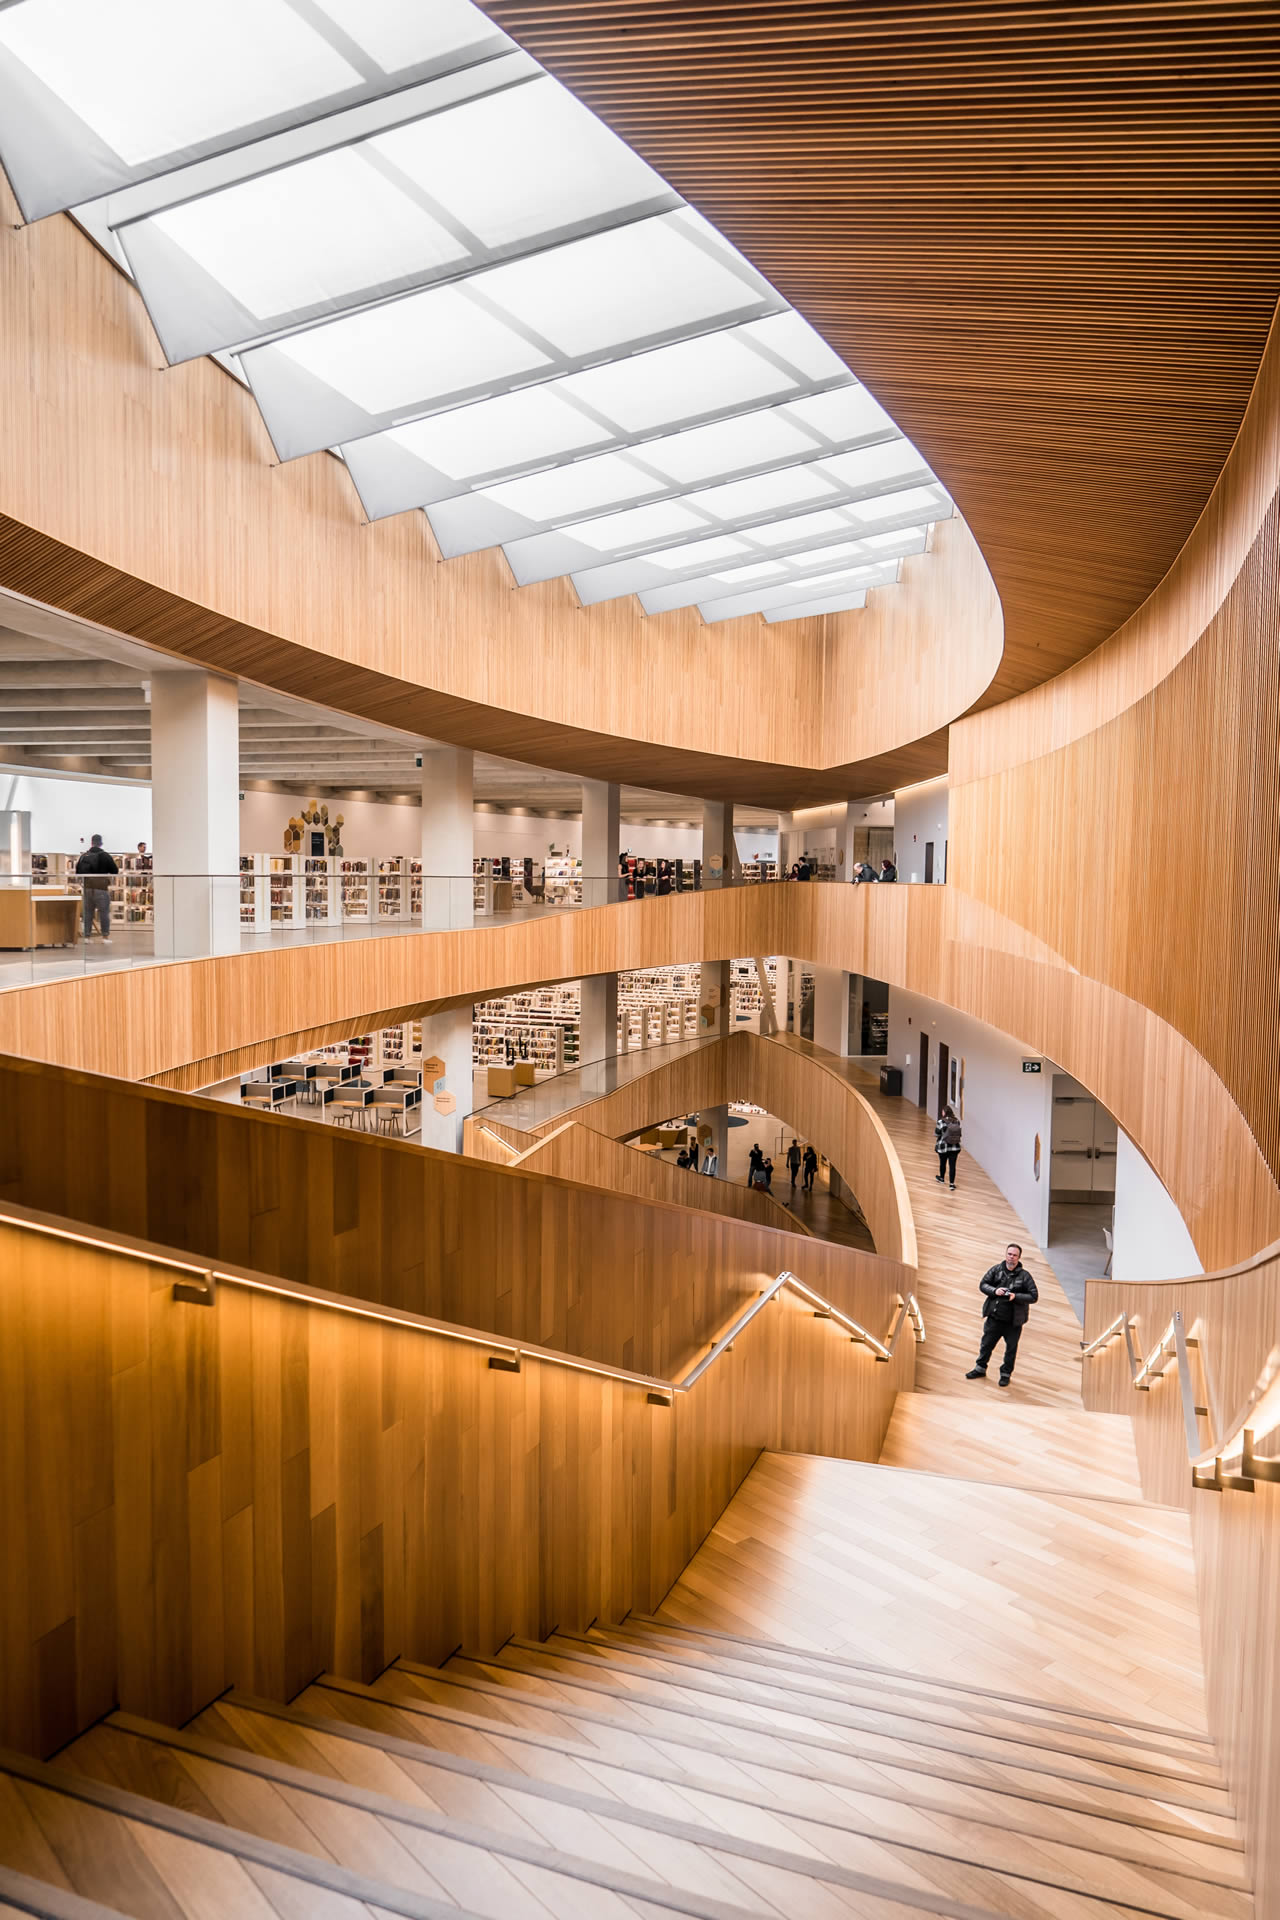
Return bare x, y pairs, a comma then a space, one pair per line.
645, 1770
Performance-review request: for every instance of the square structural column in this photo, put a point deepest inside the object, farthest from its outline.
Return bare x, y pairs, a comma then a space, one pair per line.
601, 828
831, 1009
447, 1036
195, 810
715, 1120
598, 1029
448, 836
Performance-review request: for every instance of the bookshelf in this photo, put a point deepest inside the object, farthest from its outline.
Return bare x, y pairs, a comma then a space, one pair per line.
542, 1024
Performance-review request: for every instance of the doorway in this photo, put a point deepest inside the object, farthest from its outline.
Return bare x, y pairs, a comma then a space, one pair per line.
923, 1097
944, 1072
928, 863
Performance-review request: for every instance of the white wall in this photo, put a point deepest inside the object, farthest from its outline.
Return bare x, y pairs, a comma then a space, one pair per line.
1151, 1239
813, 827
920, 814
1004, 1108
66, 813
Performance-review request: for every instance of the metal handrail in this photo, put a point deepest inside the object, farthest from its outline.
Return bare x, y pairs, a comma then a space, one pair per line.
1212, 1467
200, 1281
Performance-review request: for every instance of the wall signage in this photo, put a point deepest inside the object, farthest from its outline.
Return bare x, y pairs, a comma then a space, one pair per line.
445, 1103
1032, 1066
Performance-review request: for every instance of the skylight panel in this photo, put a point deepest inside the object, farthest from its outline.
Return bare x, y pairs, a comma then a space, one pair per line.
689, 378
579, 488
707, 552
767, 493
529, 160
785, 531
795, 341
887, 506
845, 413
735, 606
94, 96
534, 423
198, 83
870, 466
631, 529
289, 242
750, 439
634, 282
811, 609
376, 358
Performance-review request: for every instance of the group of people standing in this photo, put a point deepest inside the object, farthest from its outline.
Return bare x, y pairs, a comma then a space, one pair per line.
863, 872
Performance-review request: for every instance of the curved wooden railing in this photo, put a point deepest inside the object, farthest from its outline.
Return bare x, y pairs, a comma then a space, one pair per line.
196, 1022
793, 1080
234, 1479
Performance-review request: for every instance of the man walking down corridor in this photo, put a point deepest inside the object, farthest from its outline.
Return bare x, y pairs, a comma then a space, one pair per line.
1010, 1295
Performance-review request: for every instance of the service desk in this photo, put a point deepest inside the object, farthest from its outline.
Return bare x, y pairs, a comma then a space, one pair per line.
38, 917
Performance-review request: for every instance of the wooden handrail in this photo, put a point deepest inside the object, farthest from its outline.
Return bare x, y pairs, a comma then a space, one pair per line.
199, 1283
1213, 1468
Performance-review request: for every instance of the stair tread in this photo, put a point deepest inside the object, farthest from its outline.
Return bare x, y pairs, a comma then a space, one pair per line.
909, 1694
155, 1862
765, 1685
720, 1841
24, 1894
408, 1686
832, 1724
677, 1630
1155, 1880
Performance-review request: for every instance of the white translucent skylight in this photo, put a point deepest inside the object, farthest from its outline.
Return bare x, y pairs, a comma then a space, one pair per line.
422, 251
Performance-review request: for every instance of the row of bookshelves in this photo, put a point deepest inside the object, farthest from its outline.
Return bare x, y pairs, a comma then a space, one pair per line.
541, 1026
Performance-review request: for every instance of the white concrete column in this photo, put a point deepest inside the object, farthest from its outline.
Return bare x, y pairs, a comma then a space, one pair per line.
717, 1118
601, 820
598, 1032
195, 812
448, 1036
448, 836
845, 857
831, 1009
720, 863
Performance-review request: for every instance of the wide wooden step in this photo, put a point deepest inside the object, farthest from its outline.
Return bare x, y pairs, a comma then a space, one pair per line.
632, 1663
1168, 1879
551, 1677
751, 1854
406, 1691
132, 1855
703, 1645
38, 1900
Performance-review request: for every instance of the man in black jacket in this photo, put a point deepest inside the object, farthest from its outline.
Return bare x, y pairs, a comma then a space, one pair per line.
1011, 1294
96, 868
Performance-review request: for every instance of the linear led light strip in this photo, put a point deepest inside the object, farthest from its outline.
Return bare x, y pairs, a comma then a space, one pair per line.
1230, 1462
199, 1285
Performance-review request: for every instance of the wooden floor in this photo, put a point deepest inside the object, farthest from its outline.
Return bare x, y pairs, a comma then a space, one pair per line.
1086, 1602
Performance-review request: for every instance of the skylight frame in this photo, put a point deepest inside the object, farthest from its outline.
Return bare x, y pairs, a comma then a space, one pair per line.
304, 415
547, 555
617, 579
471, 520
195, 314
798, 569
55, 161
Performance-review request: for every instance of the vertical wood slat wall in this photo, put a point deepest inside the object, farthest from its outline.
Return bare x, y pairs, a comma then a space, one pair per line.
617, 1279
249, 1494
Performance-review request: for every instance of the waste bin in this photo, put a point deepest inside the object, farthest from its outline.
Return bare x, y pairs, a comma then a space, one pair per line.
891, 1080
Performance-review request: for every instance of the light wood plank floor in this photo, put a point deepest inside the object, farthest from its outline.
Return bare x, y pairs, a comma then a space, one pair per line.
1084, 1602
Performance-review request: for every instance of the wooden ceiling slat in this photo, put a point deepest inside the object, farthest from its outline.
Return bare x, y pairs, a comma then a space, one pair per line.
1046, 237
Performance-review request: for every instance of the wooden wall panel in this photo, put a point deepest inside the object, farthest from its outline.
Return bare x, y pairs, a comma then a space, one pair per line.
123, 475
1236, 1318
257, 1492
573, 1151
615, 1278
1129, 816
222, 1015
